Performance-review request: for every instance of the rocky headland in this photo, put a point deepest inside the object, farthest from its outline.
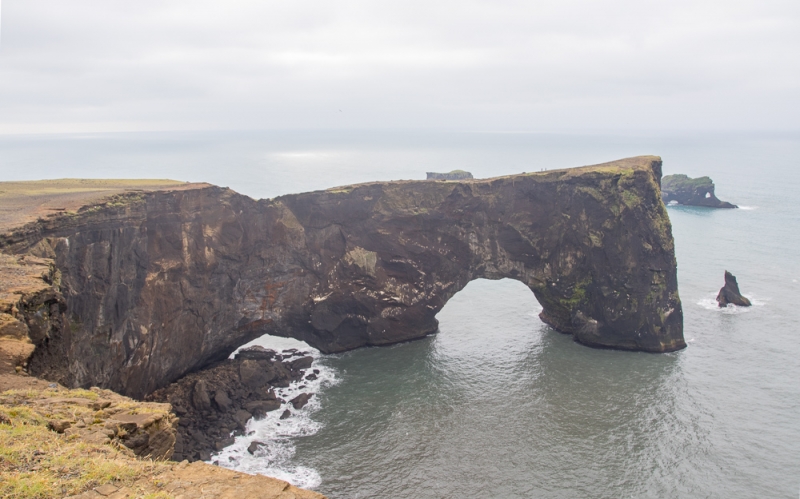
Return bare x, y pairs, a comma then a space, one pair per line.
139, 276
147, 292
687, 191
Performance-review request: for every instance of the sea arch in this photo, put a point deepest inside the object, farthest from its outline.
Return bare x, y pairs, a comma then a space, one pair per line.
148, 286
593, 244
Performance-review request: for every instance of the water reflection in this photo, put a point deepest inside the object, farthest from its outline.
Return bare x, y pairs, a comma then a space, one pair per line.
497, 404
608, 415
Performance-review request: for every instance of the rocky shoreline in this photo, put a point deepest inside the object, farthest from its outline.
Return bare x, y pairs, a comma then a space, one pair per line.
215, 404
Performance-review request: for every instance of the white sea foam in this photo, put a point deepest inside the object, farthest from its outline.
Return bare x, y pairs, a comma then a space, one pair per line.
748, 207
274, 457
278, 344
710, 303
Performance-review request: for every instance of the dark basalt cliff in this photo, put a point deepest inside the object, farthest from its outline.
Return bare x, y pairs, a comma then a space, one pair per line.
691, 191
163, 283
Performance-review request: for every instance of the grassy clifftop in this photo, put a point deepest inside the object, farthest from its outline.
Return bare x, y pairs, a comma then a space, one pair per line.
26, 201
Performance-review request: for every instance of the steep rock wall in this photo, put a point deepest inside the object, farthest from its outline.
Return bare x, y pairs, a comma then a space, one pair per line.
160, 284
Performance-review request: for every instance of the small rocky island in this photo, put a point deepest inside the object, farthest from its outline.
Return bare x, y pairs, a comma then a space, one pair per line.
730, 293
691, 191
453, 175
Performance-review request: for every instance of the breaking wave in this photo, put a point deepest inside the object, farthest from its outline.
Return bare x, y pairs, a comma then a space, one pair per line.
267, 447
709, 302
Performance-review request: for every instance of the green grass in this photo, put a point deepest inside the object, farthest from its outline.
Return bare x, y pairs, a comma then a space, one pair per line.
37, 463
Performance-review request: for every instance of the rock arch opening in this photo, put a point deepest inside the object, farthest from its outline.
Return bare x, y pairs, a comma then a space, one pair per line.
497, 317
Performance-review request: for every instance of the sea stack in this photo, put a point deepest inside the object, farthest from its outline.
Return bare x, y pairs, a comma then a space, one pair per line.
730, 293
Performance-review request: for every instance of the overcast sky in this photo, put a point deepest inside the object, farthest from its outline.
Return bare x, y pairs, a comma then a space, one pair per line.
559, 65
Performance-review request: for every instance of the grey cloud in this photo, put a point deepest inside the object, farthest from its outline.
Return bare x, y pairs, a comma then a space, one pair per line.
92, 65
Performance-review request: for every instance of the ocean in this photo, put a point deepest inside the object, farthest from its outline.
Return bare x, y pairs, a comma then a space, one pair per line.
497, 404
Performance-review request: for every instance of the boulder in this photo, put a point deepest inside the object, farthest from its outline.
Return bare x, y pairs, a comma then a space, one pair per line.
58, 426
221, 444
253, 374
301, 400
222, 400
261, 407
242, 417
200, 398
254, 445
256, 352
301, 363
730, 293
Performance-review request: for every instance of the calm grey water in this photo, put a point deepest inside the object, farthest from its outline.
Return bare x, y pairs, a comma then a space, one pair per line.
497, 404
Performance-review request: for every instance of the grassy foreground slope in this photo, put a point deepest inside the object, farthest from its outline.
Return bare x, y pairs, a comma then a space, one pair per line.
56, 442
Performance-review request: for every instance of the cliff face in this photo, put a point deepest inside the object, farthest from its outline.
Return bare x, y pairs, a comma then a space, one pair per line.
160, 284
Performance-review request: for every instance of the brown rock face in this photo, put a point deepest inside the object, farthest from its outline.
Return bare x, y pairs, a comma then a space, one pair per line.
31, 309
729, 293
163, 283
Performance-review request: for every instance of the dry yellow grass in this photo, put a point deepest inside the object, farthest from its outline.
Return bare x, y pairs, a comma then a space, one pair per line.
36, 462
24, 202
